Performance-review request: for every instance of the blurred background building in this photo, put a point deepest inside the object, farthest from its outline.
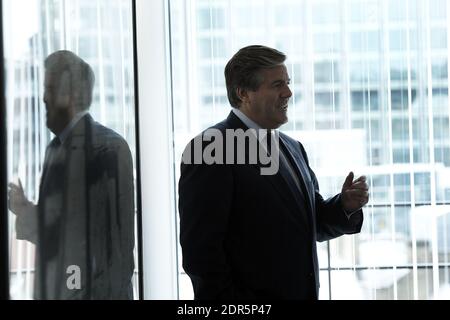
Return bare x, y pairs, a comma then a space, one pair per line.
370, 84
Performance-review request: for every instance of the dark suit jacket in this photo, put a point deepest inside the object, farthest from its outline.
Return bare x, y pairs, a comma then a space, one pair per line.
84, 217
246, 236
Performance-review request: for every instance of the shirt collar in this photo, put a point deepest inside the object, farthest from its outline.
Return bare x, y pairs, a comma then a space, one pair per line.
65, 133
249, 122
246, 120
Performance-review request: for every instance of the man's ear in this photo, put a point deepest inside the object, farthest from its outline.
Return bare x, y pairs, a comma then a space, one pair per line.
242, 95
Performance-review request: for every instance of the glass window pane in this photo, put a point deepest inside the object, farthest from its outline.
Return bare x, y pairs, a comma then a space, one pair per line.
249, 16
326, 71
364, 100
327, 43
402, 188
397, 10
422, 182
325, 12
368, 41
380, 186
361, 85
210, 18
438, 38
327, 100
439, 69
438, 9
71, 149
364, 71
366, 11
212, 48
397, 40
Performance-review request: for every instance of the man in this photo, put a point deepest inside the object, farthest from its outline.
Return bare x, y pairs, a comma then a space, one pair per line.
83, 223
246, 235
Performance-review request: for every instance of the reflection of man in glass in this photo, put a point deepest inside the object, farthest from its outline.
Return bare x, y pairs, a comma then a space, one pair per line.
83, 224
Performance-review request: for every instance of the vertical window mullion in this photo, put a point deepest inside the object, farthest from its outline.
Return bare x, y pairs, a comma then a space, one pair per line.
410, 120
386, 59
433, 216
346, 96
76, 35
124, 90
447, 144
101, 75
212, 33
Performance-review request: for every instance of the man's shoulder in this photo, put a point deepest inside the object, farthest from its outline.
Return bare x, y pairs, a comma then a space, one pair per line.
220, 126
289, 139
295, 144
104, 137
100, 130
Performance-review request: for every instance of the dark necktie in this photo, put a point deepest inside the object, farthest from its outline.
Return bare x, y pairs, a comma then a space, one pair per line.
51, 158
295, 184
287, 171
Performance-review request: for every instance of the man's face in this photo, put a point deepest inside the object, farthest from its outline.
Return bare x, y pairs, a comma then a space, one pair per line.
57, 101
268, 105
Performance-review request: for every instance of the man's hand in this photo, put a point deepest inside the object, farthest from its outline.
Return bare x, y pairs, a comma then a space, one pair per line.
355, 194
17, 201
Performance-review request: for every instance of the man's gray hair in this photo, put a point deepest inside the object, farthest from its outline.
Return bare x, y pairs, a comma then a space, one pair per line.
244, 69
81, 77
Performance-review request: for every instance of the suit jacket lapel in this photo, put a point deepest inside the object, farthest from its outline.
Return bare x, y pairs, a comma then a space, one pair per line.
277, 181
74, 140
301, 166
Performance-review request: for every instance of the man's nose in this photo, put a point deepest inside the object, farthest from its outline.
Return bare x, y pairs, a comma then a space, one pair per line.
287, 93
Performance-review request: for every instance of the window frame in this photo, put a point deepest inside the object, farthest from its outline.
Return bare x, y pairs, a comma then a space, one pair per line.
4, 264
